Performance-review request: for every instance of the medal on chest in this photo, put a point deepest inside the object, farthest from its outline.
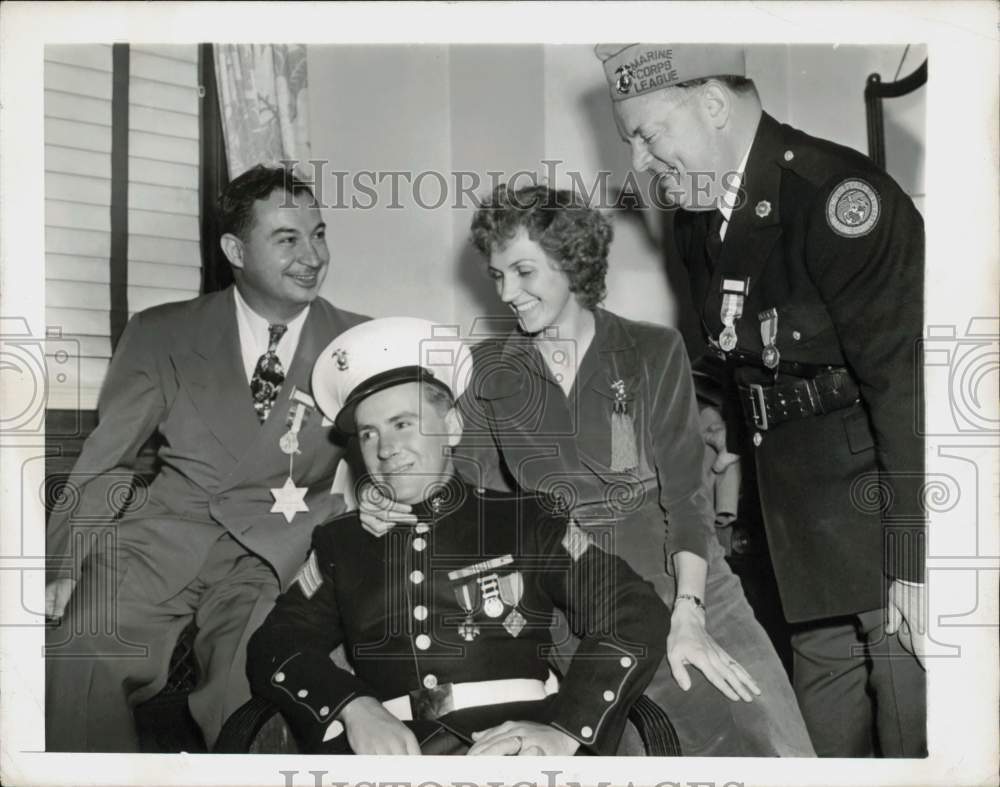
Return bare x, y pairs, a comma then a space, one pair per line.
289, 499
624, 454
769, 356
468, 599
734, 292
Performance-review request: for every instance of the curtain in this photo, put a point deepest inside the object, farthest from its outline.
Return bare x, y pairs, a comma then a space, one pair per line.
264, 99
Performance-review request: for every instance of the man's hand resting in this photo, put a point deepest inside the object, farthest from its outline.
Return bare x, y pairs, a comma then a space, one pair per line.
57, 594
371, 729
523, 739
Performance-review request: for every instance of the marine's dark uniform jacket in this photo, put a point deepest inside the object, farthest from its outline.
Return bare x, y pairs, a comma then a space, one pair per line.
402, 617
834, 245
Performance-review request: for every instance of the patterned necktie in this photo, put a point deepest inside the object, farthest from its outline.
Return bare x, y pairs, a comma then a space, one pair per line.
268, 374
713, 238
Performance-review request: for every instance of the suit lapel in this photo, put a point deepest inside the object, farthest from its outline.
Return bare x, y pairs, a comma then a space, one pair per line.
213, 374
616, 359
755, 227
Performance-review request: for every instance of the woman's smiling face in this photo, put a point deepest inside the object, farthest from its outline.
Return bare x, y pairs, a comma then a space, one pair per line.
533, 285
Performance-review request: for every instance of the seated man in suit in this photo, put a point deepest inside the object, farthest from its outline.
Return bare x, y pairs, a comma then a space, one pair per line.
245, 471
446, 621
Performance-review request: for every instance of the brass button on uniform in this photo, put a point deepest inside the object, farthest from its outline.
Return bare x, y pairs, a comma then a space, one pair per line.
279, 677
586, 732
609, 696
324, 710
416, 577
757, 438
420, 612
789, 155
796, 335
626, 661
430, 681
421, 528
302, 693
422, 642
419, 544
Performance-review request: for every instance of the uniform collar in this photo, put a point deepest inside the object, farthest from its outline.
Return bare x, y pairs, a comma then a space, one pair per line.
444, 499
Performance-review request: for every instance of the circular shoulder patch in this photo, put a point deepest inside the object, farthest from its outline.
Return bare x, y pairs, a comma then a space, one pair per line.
853, 208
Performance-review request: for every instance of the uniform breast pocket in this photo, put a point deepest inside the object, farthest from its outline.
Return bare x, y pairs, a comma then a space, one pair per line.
802, 326
859, 433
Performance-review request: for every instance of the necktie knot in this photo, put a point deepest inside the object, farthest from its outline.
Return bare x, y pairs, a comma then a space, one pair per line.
274, 334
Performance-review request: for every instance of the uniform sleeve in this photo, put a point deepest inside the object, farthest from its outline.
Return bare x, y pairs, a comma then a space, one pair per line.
622, 626
288, 657
872, 283
678, 451
132, 403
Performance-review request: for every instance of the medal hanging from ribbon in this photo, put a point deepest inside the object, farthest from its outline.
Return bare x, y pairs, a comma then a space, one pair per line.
289, 499
511, 590
769, 337
624, 455
489, 587
734, 291
468, 600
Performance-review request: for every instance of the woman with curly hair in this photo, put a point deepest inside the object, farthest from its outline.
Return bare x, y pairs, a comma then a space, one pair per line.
600, 412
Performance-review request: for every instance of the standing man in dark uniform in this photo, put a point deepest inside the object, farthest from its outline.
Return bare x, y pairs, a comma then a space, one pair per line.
446, 621
806, 266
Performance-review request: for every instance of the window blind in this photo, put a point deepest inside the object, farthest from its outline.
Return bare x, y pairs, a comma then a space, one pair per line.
164, 261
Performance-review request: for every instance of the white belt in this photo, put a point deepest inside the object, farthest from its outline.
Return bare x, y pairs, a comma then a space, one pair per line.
483, 692
472, 695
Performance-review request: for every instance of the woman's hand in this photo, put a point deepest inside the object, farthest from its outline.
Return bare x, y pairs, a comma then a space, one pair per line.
689, 643
379, 514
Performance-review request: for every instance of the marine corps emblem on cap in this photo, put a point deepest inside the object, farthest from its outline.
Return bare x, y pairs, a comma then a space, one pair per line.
853, 208
624, 78
383, 353
636, 69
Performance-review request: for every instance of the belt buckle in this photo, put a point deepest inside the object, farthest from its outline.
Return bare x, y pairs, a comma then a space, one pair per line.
433, 703
759, 406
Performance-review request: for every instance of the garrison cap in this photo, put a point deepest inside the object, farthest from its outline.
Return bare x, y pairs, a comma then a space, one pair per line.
635, 69
383, 353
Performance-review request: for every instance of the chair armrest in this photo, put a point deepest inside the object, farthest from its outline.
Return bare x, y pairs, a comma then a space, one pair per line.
654, 727
242, 730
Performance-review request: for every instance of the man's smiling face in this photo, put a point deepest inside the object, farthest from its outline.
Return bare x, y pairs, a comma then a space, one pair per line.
671, 137
284, 256
404, 439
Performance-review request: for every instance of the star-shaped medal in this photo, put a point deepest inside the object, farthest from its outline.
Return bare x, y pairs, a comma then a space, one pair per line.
289, 500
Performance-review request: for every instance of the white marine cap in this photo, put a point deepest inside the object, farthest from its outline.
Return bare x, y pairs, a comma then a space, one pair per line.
379, 354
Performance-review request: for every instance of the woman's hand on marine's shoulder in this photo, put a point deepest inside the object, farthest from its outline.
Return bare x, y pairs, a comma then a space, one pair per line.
378, 513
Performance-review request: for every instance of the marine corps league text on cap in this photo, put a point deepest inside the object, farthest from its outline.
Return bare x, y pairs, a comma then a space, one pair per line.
635, 69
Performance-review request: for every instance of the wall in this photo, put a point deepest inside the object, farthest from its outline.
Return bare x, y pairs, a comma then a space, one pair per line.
502, 108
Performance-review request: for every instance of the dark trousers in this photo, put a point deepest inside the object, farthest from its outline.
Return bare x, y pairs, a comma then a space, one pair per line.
112, 649
861, 693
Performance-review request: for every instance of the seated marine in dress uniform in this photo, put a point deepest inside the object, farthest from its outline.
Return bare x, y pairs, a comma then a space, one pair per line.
446, 622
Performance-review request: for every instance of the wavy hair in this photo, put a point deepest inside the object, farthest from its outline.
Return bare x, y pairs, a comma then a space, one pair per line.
574, 235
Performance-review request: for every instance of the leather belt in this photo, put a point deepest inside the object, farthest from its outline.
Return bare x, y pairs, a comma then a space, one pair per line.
766, 406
